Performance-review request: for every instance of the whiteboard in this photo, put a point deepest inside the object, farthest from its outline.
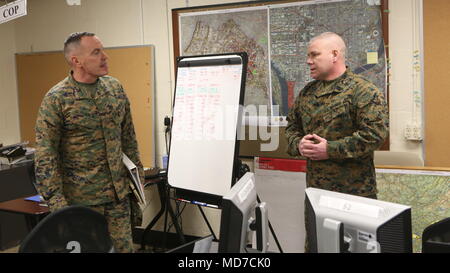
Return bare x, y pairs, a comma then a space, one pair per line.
208, 101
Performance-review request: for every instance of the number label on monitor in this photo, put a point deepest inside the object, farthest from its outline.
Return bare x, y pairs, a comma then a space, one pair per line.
349, 206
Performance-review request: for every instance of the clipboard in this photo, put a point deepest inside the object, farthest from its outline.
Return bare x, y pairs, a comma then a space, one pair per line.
135, 182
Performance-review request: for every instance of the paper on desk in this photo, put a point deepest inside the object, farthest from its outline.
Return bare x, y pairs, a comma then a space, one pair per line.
135, 183
35, 198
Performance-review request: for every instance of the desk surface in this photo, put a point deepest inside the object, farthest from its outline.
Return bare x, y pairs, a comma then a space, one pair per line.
21, 205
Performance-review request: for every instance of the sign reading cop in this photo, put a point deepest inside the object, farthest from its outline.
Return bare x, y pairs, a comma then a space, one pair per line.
13, 10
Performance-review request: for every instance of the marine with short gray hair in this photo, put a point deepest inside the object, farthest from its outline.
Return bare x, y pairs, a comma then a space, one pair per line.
83, 125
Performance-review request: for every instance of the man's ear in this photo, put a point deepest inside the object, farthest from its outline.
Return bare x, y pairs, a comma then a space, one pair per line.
74, 60
335, 55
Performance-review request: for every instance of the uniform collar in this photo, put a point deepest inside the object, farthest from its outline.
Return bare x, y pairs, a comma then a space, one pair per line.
333, 86
101, 90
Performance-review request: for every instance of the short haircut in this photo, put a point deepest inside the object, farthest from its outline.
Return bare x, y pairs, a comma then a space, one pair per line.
74, 41
338, 38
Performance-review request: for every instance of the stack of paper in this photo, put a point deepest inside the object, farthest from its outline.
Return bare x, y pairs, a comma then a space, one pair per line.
135, 184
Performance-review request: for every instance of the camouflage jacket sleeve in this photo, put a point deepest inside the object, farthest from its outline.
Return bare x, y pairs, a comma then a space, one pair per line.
47, 158
372, 126
294, 133
129, 142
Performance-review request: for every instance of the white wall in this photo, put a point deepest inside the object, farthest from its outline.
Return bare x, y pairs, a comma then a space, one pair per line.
9, 111
49, 22
137, 22
403, 41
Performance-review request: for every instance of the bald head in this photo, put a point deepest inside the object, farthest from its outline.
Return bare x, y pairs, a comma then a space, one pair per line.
326, 56
332, 41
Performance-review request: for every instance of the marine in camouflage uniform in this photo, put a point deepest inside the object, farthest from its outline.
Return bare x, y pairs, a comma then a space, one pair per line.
81, 131
337, 122
351, 114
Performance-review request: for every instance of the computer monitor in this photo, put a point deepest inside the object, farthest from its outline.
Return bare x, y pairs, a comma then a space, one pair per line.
340, 222
17, 181
201, 245
240, 213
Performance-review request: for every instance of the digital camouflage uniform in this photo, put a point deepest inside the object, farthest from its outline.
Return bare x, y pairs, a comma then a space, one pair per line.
79, 145
352, 115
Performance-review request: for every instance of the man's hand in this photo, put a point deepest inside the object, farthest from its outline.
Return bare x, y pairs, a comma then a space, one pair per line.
313, 147
305, 140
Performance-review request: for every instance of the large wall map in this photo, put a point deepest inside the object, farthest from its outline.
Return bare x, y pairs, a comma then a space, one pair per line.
428, 194
276, 40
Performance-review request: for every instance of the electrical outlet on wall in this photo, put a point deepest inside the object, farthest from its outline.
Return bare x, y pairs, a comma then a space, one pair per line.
408, 131
413, 132
417, 132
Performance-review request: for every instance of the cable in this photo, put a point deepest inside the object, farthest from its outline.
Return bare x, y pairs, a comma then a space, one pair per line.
167, 131
167, 143
178, 215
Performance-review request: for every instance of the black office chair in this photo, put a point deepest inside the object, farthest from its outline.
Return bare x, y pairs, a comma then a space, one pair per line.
73, 229
436, 237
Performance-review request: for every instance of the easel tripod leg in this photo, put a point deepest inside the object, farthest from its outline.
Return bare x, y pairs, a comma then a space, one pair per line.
207, 222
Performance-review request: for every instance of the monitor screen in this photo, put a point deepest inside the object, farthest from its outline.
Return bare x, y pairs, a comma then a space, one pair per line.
202, 245
237, 209
340, 222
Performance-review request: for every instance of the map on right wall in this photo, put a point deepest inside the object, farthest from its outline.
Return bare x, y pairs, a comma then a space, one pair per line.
428, 194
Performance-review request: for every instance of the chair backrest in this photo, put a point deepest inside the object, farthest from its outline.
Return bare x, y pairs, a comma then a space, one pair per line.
74, 229
436, 237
